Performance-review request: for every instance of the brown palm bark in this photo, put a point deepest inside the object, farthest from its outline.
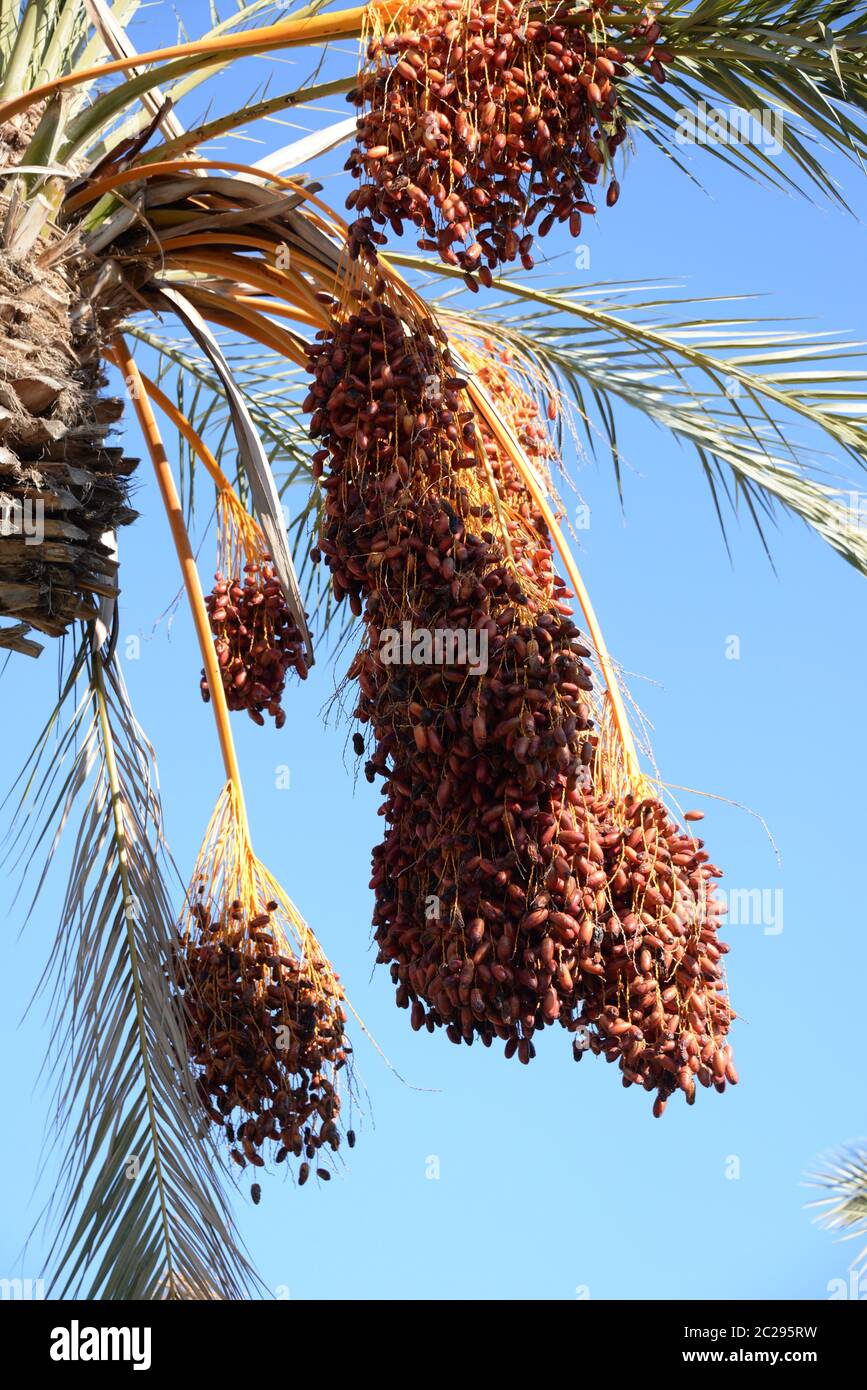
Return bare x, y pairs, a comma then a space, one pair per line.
64, 485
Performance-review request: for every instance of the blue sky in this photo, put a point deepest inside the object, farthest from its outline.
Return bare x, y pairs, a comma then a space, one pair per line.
483, 1178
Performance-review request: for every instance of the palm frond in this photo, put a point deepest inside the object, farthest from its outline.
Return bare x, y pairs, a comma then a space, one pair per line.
799, 69
731, 388
139, 1212
842, 1174
216, 49
266, 499
220, 125
273, 393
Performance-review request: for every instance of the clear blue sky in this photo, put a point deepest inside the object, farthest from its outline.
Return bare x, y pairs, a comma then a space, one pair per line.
553, 1180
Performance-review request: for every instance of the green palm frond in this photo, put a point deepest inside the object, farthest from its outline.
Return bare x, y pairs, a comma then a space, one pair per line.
732, 388
801, 66
220, 125
51, 40
112, 118
842, 1174
139, 1211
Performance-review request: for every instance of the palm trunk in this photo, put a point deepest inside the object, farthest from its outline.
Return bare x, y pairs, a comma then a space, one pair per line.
63, 487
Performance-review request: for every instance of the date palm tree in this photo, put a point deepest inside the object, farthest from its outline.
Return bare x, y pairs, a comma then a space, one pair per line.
119, 226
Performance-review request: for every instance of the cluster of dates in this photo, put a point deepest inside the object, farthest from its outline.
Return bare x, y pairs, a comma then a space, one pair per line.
483, 123
265, 1036
257, 642
511, 893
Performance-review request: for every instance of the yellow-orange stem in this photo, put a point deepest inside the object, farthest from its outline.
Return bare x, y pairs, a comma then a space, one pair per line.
290, 33
183, 426
271, 307
247, 324
109, 182
192, 583
229, 312
163, 166
242, 270
205, 239
513, 450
